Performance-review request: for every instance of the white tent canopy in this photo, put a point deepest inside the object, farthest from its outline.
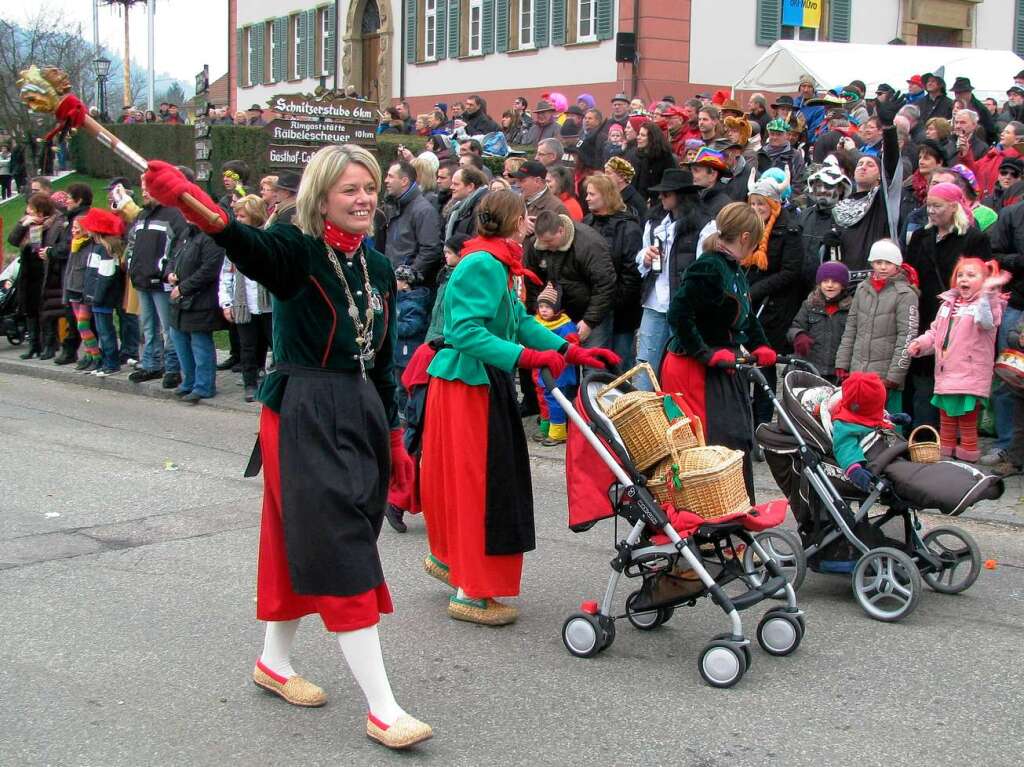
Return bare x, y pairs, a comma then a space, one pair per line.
836, 64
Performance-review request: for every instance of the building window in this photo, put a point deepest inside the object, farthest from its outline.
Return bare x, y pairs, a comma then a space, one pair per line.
476, 24
430, 30
294, 43
245, 56
323, 33
585, 21
525, 23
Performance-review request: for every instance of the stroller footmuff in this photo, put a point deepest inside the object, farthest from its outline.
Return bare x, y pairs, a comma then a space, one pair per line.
678, 556
874, 536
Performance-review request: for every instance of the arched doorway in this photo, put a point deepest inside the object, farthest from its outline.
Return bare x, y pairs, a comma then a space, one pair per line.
366, 53
369, 28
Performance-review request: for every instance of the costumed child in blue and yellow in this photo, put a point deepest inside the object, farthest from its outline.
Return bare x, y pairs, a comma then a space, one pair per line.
552, 417
475, 470
329, 439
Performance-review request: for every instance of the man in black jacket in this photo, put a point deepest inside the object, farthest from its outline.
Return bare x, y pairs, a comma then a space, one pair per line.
476, 118
577, 259
936, 103
414, 231
152, 240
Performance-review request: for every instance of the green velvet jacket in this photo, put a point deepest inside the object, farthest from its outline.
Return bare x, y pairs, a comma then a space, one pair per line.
312, 327
711, 309
485, 323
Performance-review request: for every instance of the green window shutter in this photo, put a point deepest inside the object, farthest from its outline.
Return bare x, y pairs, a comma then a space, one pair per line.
501, 26
441, 29
410, 31
769, 22
256, 40
311, 33
487, 28
453, 29
332, 44
1018, 29
541, 10
558, 22
280, 57
839, 21
605, 19
239, 55
302, 44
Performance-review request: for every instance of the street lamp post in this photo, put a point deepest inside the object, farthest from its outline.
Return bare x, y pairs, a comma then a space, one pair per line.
101, 65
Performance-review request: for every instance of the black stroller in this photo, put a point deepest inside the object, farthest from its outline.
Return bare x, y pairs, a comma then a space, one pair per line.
675, 567
12, 321
843, 529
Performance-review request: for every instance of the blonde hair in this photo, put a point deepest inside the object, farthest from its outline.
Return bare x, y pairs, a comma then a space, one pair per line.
732, 221
254, 208
941, 125
269, 181
113, 245
426, 173
608, 191
501, 182
322, 172
513, 164
498, 214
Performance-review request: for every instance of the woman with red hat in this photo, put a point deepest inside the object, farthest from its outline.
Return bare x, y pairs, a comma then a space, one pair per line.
103, 281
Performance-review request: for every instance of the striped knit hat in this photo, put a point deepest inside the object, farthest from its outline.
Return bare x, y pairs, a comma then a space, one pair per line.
552, 296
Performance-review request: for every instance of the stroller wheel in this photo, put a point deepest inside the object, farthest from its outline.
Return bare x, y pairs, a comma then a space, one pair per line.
788, 553
960, 557
722, 663
15, 339
649, 619
582, 635
887, 584
779, 633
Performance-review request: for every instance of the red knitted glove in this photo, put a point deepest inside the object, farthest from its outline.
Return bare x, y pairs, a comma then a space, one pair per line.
552, 360
842, 375
166, 184
722, 358
591, 358
802, 344
72, 111
403, 472
765, 356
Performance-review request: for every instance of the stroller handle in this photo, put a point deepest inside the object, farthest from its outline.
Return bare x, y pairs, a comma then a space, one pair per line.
748, 362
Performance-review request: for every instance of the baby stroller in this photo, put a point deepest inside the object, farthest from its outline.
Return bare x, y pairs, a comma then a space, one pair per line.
843, 529
12, 321
677, 560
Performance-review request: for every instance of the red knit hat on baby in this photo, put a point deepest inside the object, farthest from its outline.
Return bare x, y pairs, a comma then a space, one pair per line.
863, 401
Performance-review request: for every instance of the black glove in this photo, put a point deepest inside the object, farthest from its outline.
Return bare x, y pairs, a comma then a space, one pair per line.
900, 419
886, 110
860, 477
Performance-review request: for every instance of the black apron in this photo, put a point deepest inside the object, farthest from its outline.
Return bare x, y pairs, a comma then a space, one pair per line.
335, 456
508, 520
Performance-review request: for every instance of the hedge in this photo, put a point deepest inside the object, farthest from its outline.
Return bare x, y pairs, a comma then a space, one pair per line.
176, 144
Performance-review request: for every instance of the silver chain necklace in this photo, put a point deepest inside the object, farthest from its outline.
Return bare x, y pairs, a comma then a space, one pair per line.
364, 330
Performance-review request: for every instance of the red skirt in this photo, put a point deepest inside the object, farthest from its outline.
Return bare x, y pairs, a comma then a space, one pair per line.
453, 486
275, 599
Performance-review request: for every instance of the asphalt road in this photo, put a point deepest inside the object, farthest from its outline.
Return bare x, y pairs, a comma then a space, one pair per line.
127, 565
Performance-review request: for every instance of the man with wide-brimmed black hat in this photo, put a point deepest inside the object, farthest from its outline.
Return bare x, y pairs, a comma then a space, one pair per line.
544, 124
255, 116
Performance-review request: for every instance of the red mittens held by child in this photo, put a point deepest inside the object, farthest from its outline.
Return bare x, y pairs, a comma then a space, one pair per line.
166, 184
722, 358
765, 356
803, 344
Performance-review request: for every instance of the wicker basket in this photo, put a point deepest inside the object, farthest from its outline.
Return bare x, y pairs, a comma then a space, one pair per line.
660, 483
685, 433
639, 418
712, 479
923, 450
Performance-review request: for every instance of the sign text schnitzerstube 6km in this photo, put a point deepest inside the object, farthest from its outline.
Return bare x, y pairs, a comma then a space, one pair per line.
306, 124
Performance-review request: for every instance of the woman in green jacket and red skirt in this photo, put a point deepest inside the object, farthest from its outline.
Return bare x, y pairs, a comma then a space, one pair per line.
474, 471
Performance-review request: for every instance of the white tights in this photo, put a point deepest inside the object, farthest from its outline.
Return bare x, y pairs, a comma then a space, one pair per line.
362, 652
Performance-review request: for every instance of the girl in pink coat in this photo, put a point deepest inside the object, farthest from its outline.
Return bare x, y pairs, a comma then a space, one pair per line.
963, 339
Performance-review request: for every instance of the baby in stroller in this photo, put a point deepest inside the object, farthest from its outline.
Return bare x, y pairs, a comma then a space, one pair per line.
851, 487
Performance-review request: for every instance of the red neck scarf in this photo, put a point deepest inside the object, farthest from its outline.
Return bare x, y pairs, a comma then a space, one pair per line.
341, 240
509, 252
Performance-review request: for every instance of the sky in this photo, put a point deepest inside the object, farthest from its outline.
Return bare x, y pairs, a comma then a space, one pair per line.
188, 33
